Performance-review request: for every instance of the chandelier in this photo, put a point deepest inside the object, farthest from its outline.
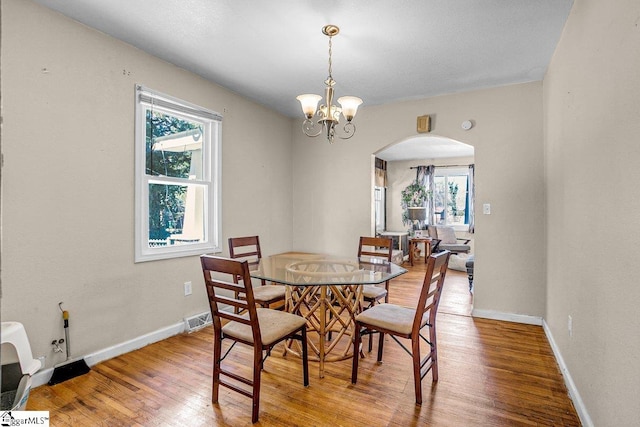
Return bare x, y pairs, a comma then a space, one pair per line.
328, 115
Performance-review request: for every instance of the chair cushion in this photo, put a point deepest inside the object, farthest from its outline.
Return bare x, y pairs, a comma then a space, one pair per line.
457, 247
274, 324
389, 316
447, 235
268, 292
372, 292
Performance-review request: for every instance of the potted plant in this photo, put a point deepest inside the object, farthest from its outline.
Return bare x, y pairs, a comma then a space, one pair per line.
415, 195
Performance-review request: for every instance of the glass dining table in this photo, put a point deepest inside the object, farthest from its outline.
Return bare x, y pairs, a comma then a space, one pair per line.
327, 291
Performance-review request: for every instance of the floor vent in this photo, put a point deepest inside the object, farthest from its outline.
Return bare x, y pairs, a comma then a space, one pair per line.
198, 321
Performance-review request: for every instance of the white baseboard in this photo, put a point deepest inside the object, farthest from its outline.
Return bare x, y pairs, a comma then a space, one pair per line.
585, 419
42, 377
507, 317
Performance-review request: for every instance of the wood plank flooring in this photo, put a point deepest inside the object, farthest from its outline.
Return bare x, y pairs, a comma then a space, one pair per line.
491, 374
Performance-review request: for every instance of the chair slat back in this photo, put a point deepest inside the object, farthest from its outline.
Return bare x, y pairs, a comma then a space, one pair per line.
431, 290
246, 248
370, 246
223, 289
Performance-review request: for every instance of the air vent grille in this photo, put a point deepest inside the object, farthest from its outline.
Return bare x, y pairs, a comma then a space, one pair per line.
198, 321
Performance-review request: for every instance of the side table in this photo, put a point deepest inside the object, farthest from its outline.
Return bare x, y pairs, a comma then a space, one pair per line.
413, 247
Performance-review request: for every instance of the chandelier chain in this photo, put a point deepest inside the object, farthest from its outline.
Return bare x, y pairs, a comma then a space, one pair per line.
330, 64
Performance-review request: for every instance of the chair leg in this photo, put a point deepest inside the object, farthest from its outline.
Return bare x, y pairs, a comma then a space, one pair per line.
356, 353
417, 380
305, 358
370, 343
386, 297
374, 302
257, 370
217, 353
434, 353
380, 344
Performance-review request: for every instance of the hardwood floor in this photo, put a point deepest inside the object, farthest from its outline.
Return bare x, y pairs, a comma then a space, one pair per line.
491, 374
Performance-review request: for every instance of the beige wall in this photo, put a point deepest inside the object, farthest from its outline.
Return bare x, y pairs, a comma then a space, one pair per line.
332, 186
68, 183
592, 123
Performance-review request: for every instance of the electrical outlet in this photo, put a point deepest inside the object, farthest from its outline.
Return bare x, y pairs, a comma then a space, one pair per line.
187, 288
570, 326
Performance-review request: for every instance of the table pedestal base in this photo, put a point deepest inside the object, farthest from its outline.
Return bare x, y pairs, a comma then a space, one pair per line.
330, 312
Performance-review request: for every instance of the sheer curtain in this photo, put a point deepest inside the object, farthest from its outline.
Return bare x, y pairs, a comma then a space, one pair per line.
380, 197
380, 173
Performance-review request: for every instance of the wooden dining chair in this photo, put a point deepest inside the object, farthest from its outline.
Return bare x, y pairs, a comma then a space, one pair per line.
403, 322
376, 247
248, 249
260, 328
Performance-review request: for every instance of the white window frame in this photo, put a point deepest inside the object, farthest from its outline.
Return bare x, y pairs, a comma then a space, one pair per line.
446, 172
211, 179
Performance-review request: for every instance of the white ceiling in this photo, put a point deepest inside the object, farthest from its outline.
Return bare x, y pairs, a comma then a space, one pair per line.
387, 50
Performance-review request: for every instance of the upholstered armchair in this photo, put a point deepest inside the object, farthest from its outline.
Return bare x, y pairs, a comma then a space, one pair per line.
448, 240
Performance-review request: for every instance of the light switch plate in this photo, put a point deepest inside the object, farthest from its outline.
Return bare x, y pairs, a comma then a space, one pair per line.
486, 209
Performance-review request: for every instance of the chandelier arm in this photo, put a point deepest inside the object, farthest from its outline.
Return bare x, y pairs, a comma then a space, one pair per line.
308, 127
349, 130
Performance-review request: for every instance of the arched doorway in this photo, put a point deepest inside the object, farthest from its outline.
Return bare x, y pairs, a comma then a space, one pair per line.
451, 159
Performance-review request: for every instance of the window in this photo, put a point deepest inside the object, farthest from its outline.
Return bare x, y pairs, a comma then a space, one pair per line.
177, 178
451, 196
380, 203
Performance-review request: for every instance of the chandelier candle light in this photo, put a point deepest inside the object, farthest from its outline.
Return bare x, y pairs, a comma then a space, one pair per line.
328, 114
